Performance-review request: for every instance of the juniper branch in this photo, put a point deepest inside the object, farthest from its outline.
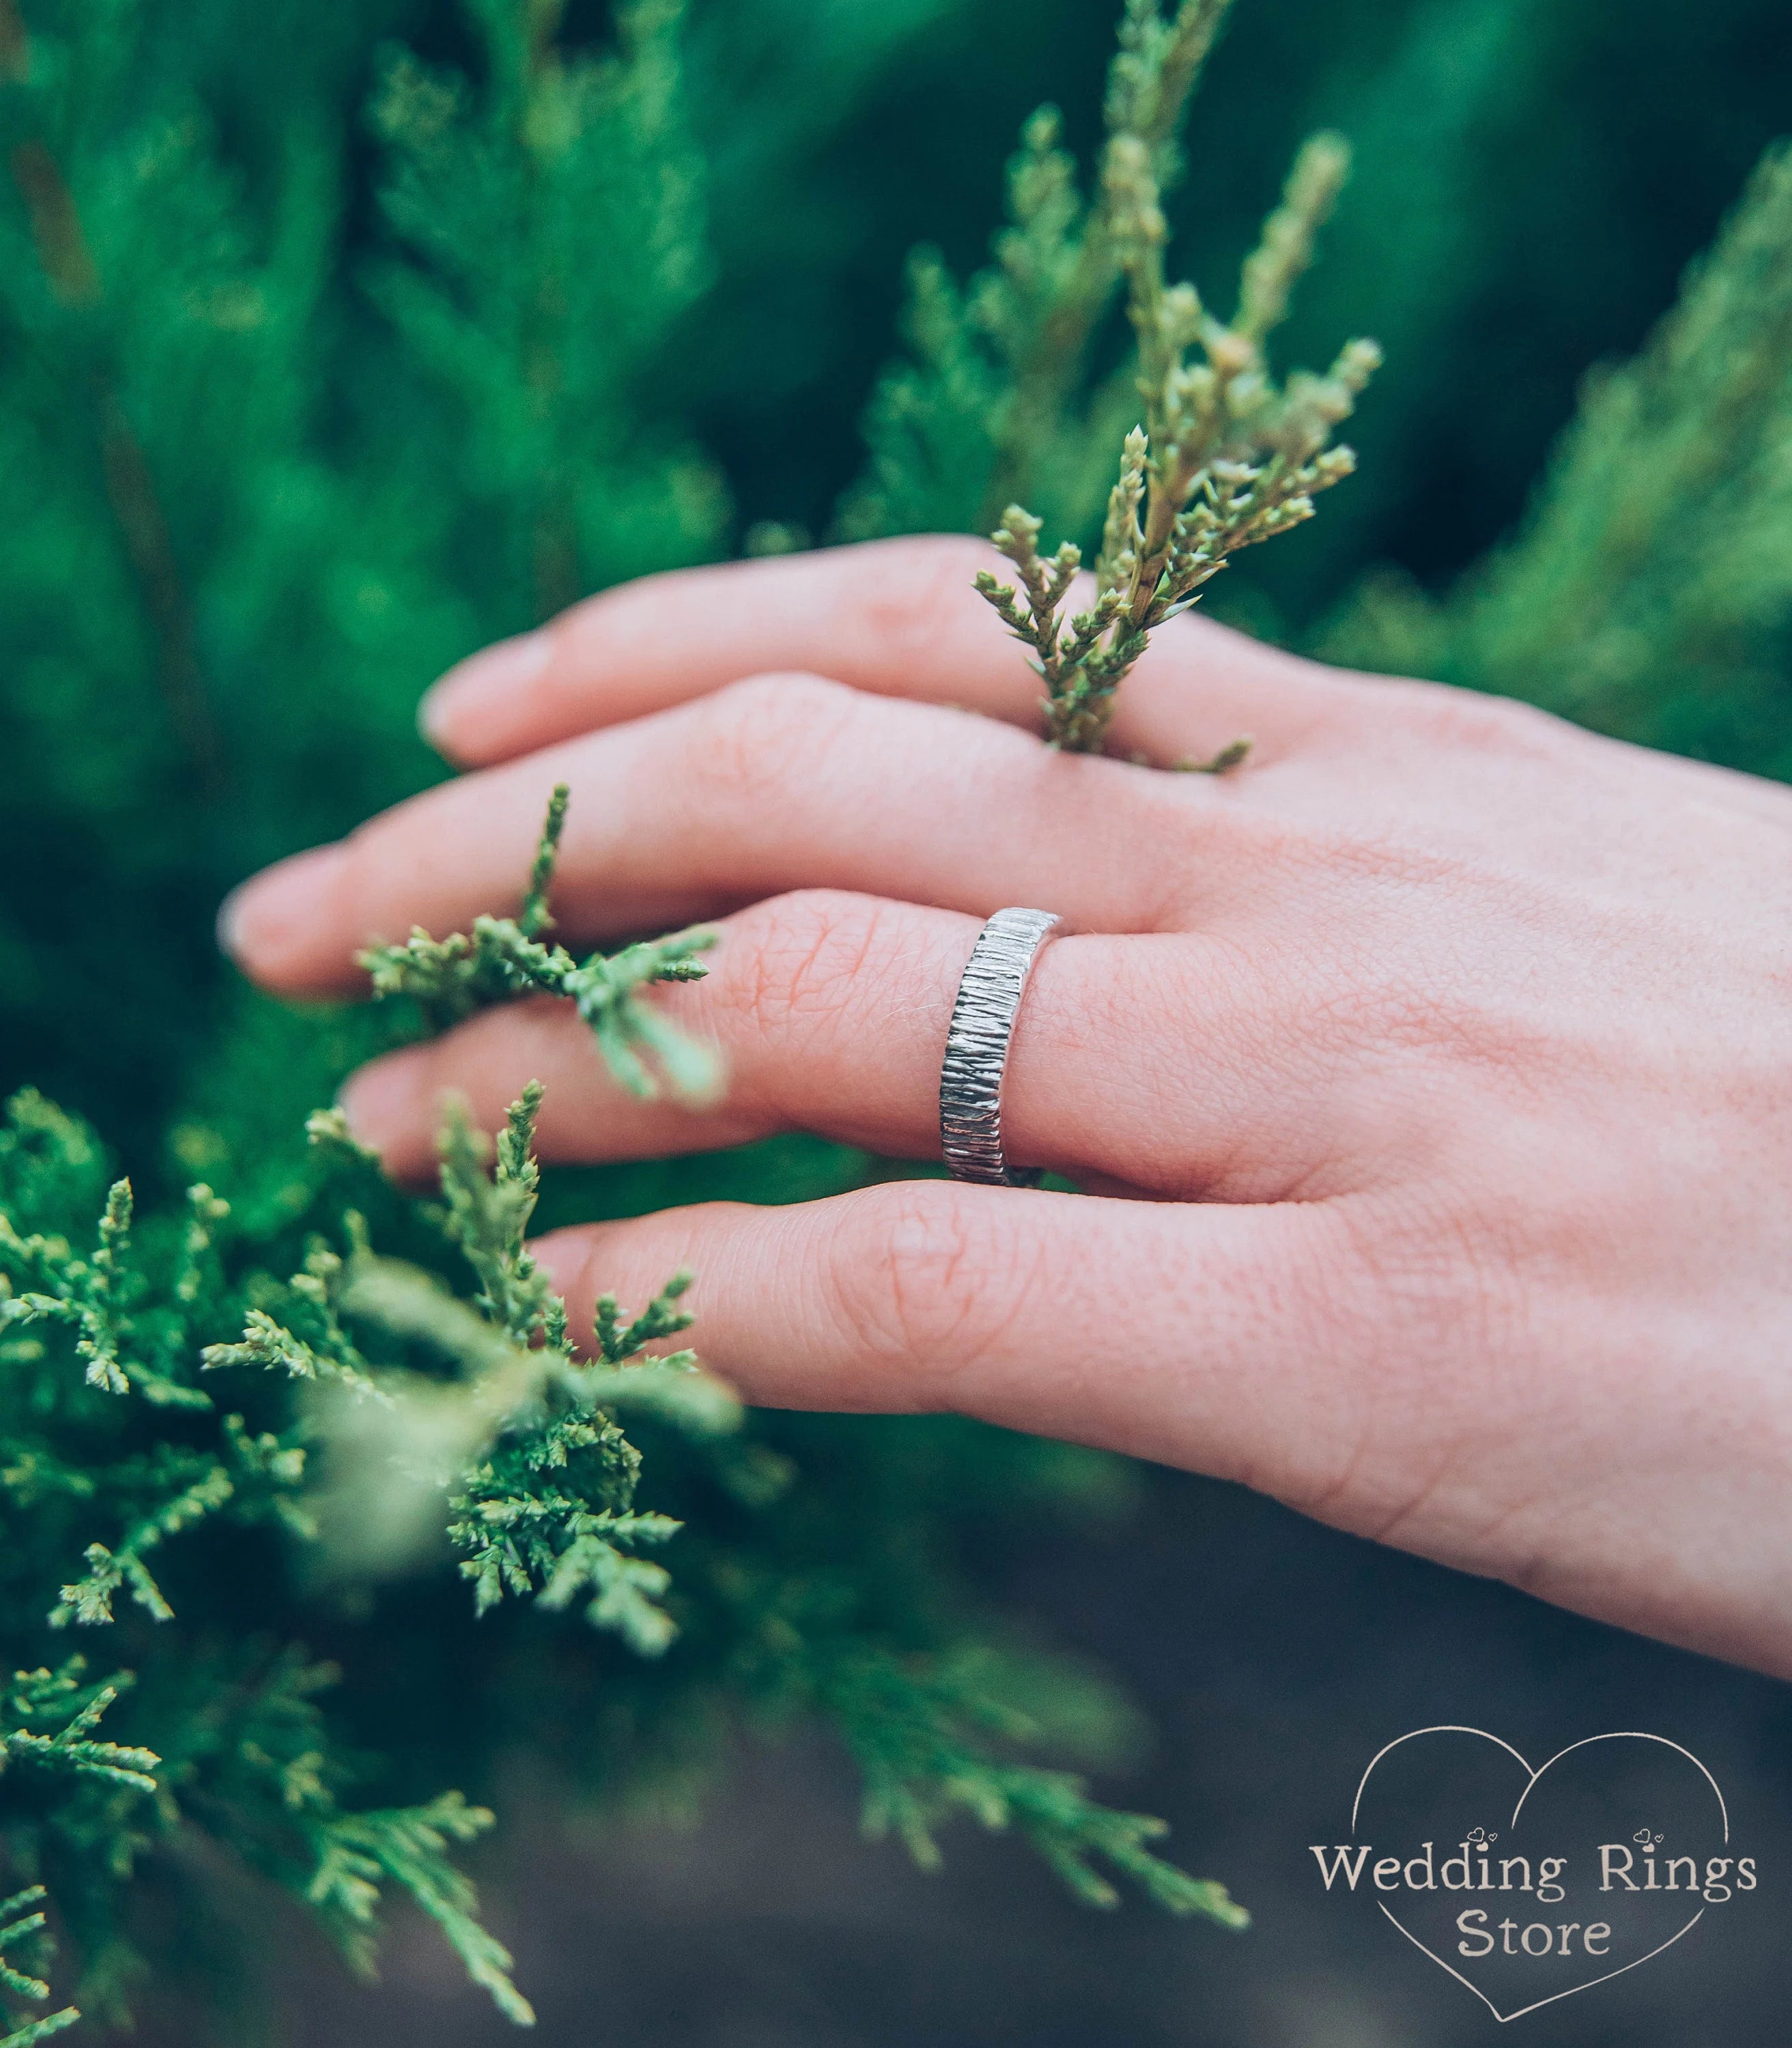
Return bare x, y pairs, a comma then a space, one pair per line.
1224, 458
991, 409
537, 1475
88, 1600
1063, 261
35, 2031
59, 1697
535, 918
488, 1219
502, 960
65, 254
1224, 461
407, 1847
22, 1920
922, 1736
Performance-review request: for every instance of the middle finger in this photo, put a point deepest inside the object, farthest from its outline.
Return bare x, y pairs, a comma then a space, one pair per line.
778, 783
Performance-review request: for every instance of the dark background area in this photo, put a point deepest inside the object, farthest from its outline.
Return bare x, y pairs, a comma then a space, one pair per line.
1274, 1659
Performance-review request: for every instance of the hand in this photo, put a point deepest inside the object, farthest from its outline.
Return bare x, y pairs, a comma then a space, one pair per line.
1449, 1048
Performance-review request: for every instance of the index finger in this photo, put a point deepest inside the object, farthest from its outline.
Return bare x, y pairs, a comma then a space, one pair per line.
898, 618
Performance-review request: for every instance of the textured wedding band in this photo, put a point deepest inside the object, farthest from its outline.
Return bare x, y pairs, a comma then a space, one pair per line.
983, 1024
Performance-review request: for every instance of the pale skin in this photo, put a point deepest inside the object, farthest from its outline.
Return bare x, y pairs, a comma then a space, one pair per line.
1428, 1080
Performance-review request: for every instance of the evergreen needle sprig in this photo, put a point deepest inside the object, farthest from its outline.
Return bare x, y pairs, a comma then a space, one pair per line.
80, 1292
996, 414
23, 1920
56, 1697
425, 1409
88, 1600
1225, 460
992, 408
523, 1447
412, 1847
922, 1739
241, 1752
503, 958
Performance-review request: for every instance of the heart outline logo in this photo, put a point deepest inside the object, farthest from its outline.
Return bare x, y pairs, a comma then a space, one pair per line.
1532, 1778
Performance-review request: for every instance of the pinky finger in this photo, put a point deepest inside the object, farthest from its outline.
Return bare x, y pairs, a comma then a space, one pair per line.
1186, 1334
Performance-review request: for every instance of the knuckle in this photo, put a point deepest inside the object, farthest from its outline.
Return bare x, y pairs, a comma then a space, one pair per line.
1442, 1050
913, 593
1376, 871
938, 1290
1395, 1013
1488, 724
1198, 848
1450, 1271
1266, 844
798, 961
756, 736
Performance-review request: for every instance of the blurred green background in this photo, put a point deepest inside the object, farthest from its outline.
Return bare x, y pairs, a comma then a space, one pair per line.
340, 482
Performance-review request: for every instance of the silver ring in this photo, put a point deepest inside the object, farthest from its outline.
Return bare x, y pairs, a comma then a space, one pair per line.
983, 1024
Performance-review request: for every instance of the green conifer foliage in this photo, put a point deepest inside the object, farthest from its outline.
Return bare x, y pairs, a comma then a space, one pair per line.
551, 231
294, 462
1650, 592
502, 957
996, 406
22, 1922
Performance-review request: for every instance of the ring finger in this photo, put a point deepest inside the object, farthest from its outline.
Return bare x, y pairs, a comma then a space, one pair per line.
831, 1011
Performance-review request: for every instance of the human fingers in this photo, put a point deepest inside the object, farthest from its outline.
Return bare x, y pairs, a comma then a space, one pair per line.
778, 783
895, 618
1382, 1363
1206, 1337
831, 1012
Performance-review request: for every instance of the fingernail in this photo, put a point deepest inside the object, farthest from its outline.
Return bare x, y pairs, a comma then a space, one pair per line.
480, 682
380, 1103
262, 923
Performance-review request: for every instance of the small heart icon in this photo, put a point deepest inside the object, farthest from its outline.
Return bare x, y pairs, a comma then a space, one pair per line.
1528, 1885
